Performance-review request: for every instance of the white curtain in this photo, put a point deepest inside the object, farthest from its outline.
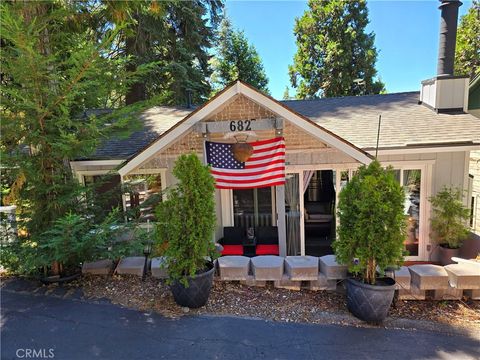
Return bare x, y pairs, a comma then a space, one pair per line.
293, 214
307, 176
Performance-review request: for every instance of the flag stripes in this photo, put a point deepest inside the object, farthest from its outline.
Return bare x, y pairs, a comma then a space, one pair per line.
265, 168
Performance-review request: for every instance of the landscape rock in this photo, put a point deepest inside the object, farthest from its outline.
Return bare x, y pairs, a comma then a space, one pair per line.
133, 265
100, 267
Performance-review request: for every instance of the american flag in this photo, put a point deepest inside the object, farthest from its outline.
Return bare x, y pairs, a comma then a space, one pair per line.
266, 166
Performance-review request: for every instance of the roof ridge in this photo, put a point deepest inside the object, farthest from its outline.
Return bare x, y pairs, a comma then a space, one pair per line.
354, 96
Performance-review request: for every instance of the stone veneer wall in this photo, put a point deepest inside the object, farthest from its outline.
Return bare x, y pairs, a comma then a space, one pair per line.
240, 108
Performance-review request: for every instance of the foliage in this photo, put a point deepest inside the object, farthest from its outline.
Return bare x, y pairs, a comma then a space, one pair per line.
334, 50
467, 54
372, 222
237, 60
286, 94
53, 69
72, 240
450, 217
176, 35
186, 220
19, 257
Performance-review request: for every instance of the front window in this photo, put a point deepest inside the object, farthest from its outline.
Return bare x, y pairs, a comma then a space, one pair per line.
142, 194
252, 207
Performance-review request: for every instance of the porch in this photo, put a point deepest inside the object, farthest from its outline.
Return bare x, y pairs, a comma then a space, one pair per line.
318, 164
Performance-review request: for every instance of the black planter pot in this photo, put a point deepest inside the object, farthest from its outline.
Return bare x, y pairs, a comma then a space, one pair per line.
446, 254
197, 293
370, 303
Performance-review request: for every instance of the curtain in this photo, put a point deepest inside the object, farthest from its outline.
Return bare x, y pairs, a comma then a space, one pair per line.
292, 214
307, 176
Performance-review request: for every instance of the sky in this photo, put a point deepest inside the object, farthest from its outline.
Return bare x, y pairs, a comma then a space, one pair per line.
406, 37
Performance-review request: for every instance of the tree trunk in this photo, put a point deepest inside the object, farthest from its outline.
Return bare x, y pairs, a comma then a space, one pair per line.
135, 48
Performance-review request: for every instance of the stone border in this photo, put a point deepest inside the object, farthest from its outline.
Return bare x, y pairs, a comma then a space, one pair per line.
416, 282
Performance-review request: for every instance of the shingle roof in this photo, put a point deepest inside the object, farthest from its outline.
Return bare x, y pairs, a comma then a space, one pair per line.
354, 118
404, 121
156, 121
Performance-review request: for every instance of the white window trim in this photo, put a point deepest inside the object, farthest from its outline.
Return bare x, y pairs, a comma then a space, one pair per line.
425, 166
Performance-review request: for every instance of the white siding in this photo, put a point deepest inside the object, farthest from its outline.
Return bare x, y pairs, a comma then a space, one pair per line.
328, 156
475, 171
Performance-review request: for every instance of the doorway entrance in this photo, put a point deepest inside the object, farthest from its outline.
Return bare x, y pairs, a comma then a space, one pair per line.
310, 197
319, 211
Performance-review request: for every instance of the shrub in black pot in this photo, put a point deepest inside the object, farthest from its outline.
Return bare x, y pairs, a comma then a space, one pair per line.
449, 222
185, 226
370, 238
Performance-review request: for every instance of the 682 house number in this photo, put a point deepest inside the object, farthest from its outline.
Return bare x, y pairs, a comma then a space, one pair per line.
241, 125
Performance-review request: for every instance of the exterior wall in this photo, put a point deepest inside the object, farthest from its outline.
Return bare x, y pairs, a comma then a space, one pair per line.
321, 157
447, 169
474, 109
302, 151
475, 171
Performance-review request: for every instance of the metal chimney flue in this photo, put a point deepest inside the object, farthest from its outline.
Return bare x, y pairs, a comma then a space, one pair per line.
448, 36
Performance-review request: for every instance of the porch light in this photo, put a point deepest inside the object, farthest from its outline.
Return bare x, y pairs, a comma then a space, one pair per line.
147, 250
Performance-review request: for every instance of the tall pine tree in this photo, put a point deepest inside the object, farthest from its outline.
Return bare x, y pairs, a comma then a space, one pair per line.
467, 57
237, 60
335, 55
176, 35
53, 68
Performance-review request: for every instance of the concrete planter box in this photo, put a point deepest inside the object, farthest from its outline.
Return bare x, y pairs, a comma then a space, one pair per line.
267, 268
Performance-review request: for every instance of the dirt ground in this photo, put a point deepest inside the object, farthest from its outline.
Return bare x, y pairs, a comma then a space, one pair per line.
232, 298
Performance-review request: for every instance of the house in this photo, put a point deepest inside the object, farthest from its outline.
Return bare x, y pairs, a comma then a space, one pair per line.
425, 136
474, 109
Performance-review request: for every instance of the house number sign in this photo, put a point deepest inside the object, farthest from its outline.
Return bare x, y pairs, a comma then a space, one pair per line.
239, 125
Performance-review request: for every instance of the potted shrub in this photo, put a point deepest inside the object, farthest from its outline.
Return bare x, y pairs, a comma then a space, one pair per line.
449, 221
185, 225
370, 238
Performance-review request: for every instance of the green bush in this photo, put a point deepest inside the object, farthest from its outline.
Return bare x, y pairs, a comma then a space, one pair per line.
372, 222
186, 220
449, 217
19, 257
72, 240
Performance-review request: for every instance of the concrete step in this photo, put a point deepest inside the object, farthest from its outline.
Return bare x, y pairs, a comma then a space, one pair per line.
100, 267
267, 267
322, 283
250, 281
331, 269
287, 283
402, 278
233, 267
158, 269
464, 276
301, 268
429, 277
413, 293
448, 294
134, 265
